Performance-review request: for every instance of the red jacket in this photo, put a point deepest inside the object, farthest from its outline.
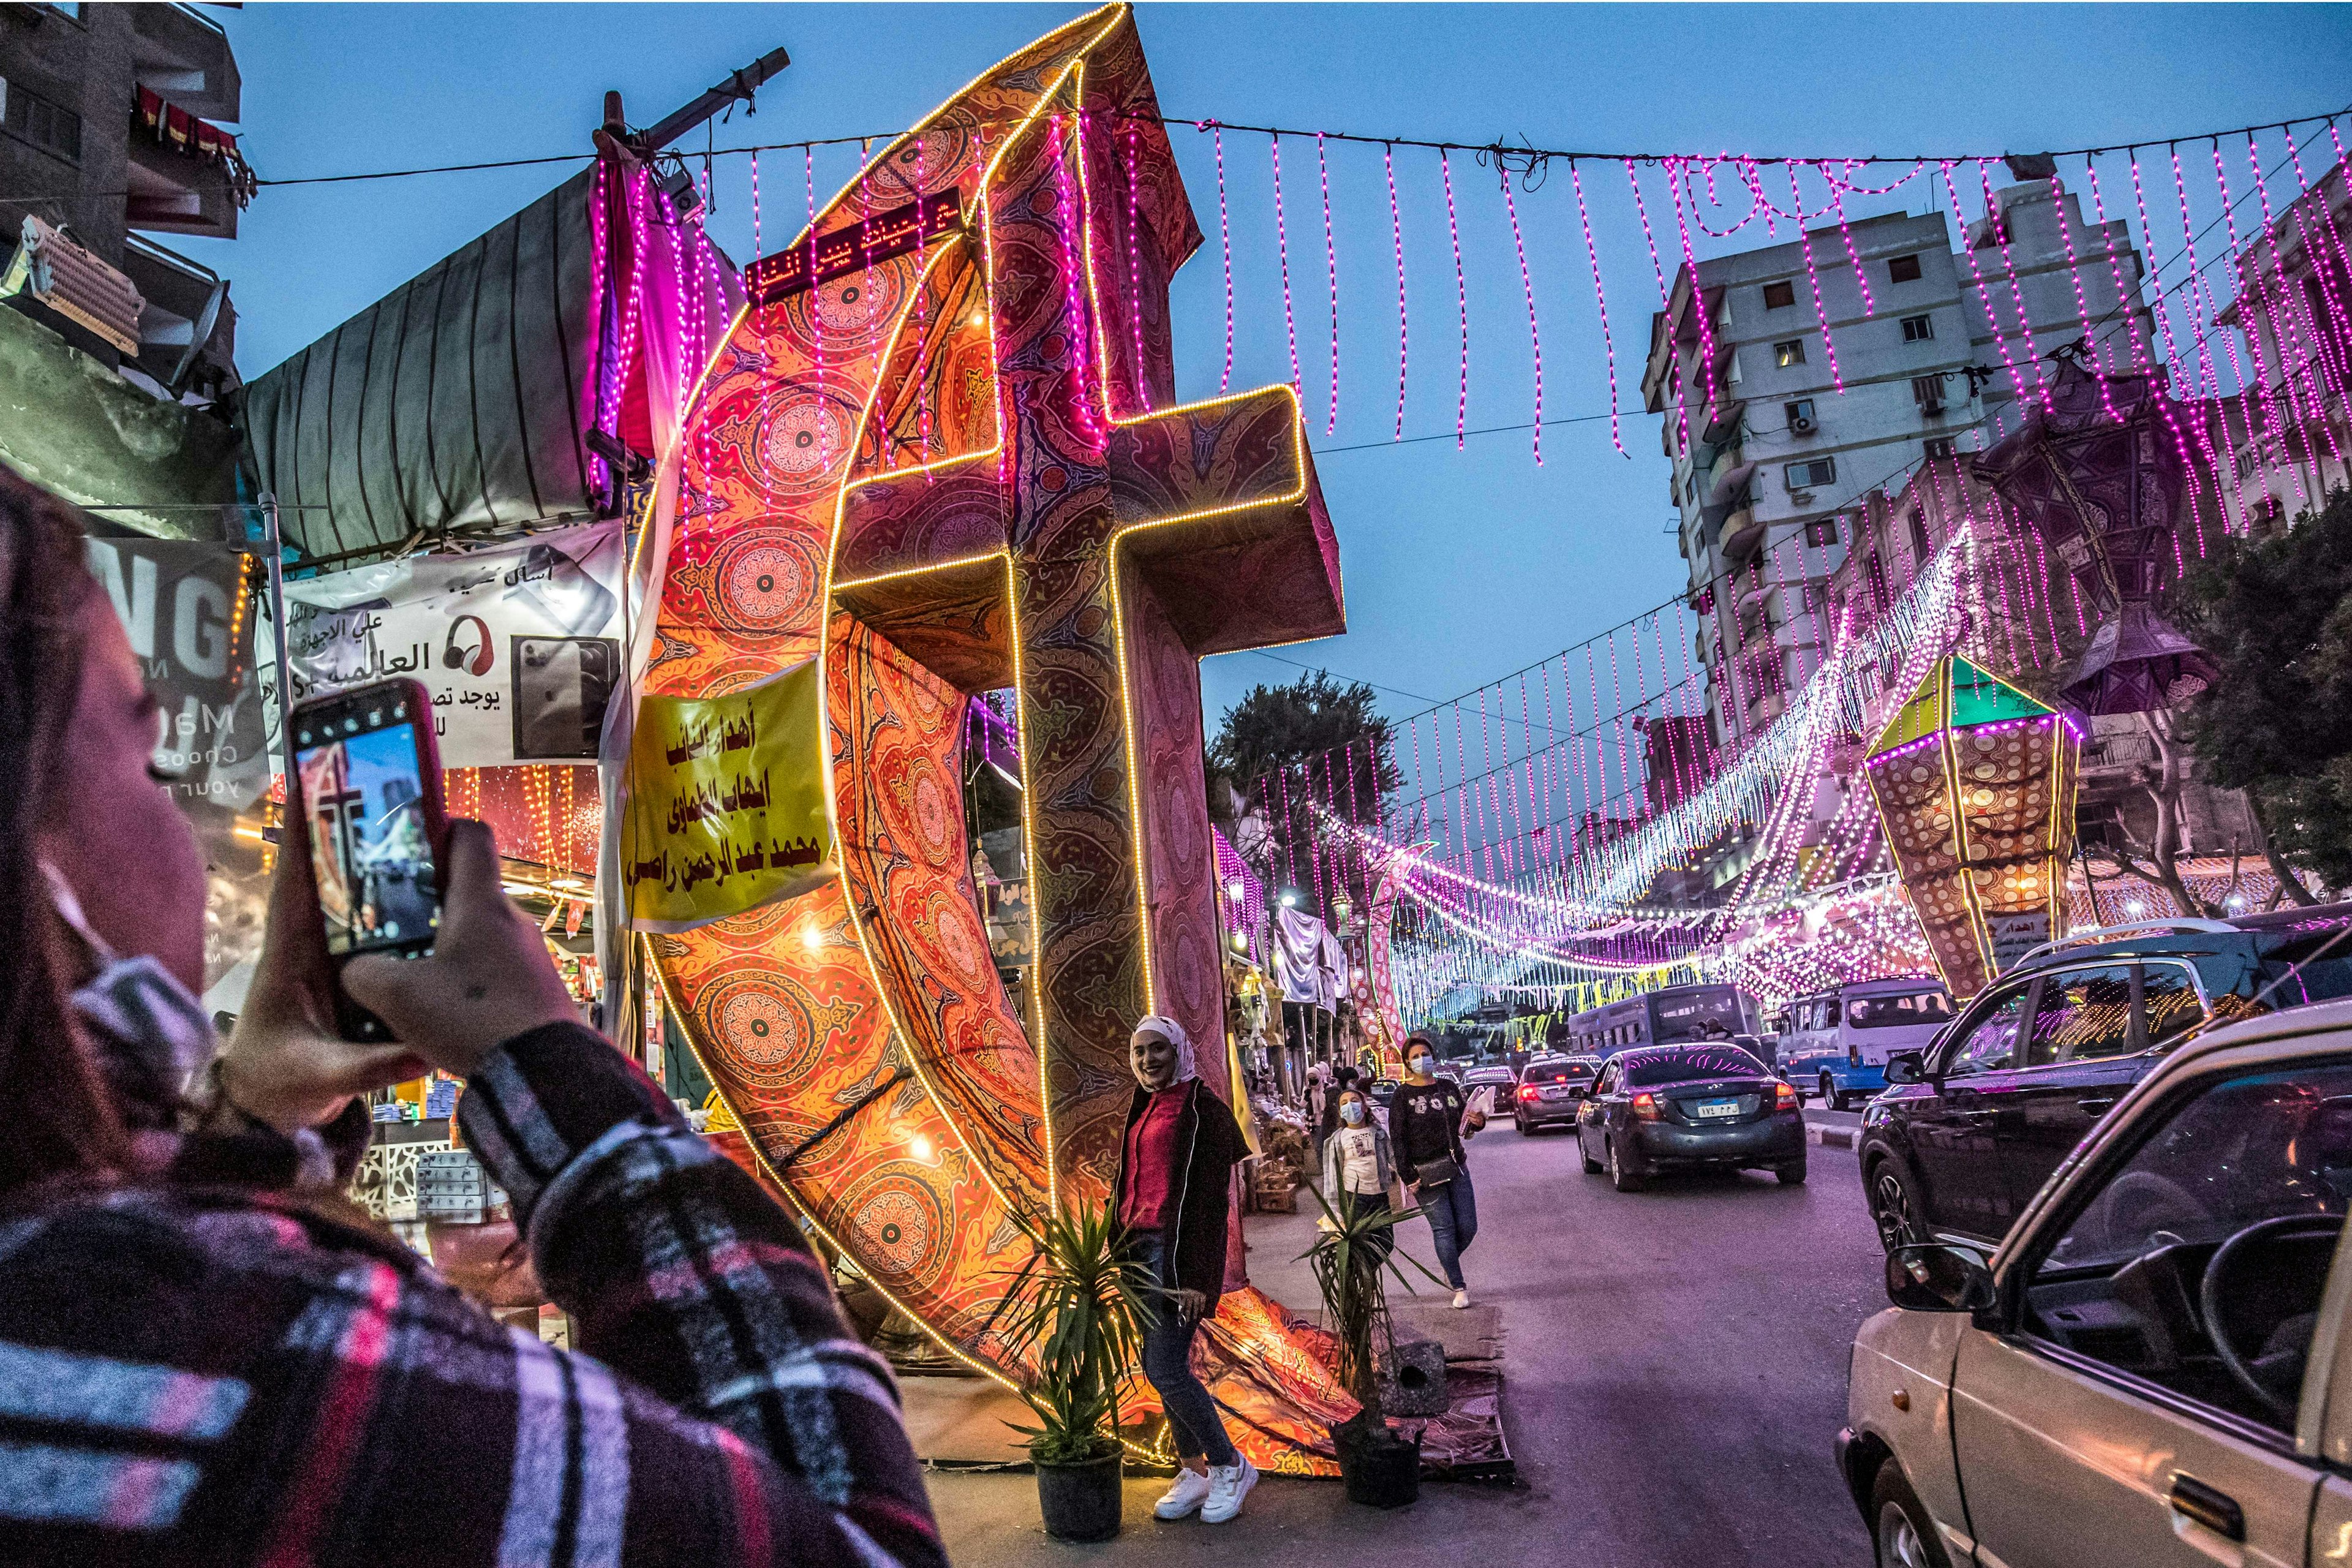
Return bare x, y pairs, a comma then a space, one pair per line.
1194, 1234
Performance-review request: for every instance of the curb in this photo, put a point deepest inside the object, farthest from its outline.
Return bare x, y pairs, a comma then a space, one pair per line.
1832, 1137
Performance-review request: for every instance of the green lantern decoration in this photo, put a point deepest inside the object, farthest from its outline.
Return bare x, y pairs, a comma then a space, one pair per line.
1974, 783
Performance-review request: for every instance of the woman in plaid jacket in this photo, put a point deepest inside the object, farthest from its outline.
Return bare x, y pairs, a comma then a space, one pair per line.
205, 1356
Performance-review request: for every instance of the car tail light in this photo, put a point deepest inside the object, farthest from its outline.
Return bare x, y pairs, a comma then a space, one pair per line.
1646, 1107
1785, 1099
1528, 1091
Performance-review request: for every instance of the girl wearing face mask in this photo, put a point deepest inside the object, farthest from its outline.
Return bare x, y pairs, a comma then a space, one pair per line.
1428, 1121
1359, 1166
1174, 1195
207, 1355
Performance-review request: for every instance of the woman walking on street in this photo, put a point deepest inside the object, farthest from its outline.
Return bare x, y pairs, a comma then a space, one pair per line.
207, 1355
1427, 1123
1174, 1194
1360, 1167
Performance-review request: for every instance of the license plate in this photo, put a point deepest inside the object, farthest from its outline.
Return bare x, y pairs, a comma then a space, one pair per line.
1553, 1091
1713, 1109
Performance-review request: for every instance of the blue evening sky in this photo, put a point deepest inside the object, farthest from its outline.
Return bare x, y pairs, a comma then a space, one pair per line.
1459, 565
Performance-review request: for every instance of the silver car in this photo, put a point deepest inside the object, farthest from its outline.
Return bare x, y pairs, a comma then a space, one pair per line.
2154, 1367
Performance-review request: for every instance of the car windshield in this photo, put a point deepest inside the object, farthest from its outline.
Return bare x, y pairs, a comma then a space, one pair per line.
1907, 1007
1554, 1069
1691, 1066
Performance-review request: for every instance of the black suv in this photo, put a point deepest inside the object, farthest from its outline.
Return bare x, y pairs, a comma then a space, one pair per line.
1970, 1128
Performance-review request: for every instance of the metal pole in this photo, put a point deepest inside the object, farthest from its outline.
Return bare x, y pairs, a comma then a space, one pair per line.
277, 625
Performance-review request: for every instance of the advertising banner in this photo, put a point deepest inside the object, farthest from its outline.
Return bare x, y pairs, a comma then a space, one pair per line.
725, 803
188, 609
520, 643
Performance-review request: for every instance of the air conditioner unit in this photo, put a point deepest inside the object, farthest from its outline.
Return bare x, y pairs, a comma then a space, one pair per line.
1800, 426
1931, 407
75, 284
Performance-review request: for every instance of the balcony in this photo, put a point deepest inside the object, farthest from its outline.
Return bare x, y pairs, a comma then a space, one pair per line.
181, 54
169, 192
1743, 535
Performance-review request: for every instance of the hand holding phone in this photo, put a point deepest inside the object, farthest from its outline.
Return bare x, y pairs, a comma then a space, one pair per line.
488, 979
284, 1063
366, 797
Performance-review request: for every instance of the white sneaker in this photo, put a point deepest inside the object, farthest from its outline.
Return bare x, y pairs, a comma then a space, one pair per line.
1460, 1300
1190, 1491
1228, 1484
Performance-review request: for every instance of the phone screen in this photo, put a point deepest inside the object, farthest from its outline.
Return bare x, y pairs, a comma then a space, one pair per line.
370, 847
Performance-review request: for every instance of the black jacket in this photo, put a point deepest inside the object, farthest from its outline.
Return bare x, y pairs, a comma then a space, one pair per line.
1194, 1236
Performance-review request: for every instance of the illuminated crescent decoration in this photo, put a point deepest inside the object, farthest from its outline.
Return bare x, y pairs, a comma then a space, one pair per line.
953, 463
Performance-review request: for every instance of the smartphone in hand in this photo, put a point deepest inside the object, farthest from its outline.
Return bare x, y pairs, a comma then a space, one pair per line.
366, 786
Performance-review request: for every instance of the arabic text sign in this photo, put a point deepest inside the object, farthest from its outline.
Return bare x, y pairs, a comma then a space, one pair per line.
725, 803
519, 643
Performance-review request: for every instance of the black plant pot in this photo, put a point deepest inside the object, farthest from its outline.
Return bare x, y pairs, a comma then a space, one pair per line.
1080, 1501
1378, 1469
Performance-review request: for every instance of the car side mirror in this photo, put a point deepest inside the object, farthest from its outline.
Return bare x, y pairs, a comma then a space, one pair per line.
1934, 1277
1903, 1066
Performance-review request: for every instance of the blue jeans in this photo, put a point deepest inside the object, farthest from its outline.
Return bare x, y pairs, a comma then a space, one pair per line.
1453, 1211
1193, 1417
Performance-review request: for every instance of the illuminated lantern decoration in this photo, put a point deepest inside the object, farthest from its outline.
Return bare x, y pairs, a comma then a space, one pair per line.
2100, 476
1974, 783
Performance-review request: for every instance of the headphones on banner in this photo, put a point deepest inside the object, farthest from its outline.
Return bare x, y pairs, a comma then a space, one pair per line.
474, 661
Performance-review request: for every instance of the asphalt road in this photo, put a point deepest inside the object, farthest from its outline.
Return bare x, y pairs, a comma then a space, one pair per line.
1677, 1372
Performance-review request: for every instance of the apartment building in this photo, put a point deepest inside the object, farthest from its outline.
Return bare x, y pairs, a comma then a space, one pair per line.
1794, 379
110, 133
2291, 430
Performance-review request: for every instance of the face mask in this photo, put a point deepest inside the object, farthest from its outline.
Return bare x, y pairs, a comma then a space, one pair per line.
1421, 1065
1351, 1113
149, 1036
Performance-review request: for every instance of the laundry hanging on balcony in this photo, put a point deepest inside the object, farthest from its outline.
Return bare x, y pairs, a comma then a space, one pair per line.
197, 138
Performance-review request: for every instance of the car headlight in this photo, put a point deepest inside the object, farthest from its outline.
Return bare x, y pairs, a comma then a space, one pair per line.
1874, 1113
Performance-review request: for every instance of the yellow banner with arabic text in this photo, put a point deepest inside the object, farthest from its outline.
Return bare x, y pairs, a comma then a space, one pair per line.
725, 803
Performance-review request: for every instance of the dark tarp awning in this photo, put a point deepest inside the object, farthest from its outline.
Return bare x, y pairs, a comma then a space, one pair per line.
450, 404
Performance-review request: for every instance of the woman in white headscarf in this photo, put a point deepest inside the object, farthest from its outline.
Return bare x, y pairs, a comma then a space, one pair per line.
1174, 1192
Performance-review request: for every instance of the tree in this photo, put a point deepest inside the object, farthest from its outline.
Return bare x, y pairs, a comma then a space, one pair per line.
2275, 617
1336, 748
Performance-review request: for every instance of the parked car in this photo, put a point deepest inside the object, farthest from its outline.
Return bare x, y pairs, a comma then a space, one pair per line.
1837, 1042
1664, 1108
1551, 1089
2155, 1366
1972, 1127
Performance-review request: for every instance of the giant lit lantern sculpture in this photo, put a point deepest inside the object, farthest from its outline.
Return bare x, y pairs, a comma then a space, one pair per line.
1974, 783
2099, 474
940, 451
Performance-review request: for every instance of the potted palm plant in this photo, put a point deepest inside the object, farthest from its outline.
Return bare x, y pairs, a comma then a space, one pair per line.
1353, 1246
1077, 1314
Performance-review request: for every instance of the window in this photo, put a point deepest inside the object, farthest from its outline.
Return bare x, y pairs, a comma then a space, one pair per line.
1811, 473
1822, 530
2261, 1146
1779, 296
1920, 549
2169, 1006
1991, 1044
1789, 354
1801, 416
1927, 392
2085, 1014
41, 123
1939, 446
1890, 1012
1918, 328
1904, 268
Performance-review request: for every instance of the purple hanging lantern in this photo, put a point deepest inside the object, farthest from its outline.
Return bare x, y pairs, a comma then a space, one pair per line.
2105, 492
